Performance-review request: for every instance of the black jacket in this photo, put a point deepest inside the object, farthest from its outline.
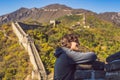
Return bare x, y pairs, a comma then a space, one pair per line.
66, 60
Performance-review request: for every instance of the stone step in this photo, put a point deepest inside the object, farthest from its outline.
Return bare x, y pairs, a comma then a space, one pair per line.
89, 75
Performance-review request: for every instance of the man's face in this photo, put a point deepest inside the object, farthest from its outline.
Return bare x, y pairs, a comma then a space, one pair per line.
74, 46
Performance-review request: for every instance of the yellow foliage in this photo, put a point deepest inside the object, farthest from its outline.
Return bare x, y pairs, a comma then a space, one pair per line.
46, 47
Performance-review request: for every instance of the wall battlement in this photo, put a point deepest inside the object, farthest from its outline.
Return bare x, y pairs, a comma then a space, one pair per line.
38, 72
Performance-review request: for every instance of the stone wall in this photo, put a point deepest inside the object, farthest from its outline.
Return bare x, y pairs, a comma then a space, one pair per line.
113, 67
38, 72
110, 71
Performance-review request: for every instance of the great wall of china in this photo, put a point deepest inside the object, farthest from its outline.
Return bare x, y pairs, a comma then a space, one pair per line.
38, 72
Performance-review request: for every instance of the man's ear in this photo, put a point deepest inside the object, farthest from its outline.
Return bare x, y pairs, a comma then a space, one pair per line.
69, 45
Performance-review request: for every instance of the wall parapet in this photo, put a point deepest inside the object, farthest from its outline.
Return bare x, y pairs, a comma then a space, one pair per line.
38, 72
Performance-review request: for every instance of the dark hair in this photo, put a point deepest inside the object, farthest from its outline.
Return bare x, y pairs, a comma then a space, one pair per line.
67, 39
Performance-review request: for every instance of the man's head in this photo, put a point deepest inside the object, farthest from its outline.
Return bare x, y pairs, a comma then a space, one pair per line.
70, 41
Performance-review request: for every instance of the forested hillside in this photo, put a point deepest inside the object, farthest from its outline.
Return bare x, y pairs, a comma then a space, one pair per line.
102, 37
14, 60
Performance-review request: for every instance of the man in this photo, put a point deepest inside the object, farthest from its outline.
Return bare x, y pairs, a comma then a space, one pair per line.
68, 56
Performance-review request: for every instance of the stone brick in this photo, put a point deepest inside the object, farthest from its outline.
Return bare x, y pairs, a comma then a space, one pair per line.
115, 75
89, 75
96, 65
100, 74
82, 74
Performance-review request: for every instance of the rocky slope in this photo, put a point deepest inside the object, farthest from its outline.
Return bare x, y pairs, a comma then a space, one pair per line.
111, 16
43, 14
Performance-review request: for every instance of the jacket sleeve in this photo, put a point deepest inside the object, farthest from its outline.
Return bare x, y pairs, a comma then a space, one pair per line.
79, 57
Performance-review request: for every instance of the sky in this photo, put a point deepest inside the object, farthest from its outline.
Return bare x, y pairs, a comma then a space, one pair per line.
98, 6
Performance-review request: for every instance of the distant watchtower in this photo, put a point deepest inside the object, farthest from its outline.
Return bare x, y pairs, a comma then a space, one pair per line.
53, 22
84, 20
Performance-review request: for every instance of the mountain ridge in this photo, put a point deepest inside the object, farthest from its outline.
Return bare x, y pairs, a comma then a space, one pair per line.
43, 14
53, 11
